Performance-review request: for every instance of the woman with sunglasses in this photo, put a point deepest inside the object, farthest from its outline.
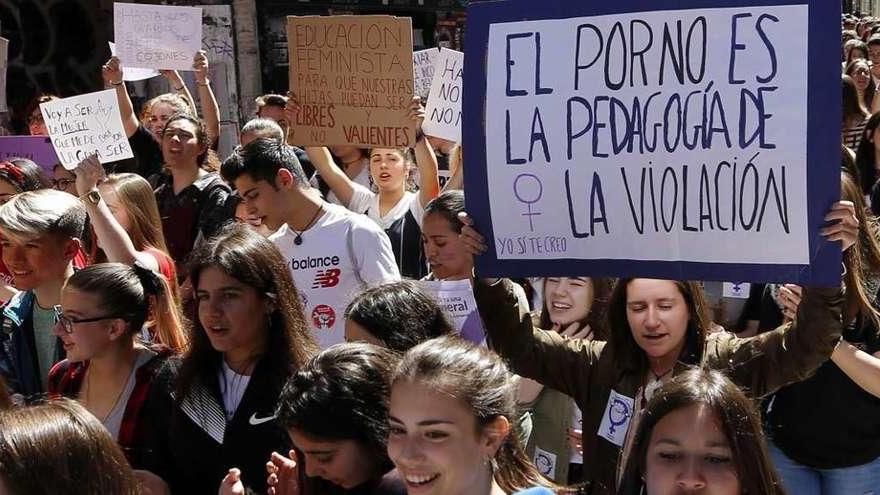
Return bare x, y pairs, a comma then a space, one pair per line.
107, 370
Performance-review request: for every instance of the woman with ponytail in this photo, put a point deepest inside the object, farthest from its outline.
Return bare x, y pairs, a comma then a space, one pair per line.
452, 422
125, 217
103, 308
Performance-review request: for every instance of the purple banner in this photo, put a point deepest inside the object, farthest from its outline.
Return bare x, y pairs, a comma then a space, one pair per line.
36, 148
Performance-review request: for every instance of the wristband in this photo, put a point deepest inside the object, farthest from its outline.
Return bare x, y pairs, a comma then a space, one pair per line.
206, 83
115, 83
180, 88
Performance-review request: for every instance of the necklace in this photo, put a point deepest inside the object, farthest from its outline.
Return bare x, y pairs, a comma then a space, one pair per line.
118, 395
299, 233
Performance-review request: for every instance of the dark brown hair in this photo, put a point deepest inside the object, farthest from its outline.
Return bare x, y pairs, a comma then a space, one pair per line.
59, 448
630, 356
597, 317
208, 159
253, 260
737, 418
136, 293
479, 379
862, 260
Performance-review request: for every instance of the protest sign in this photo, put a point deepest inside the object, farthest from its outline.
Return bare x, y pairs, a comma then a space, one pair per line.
157, 36
456, 299
443, 110
353, 79
85, 124
133, 73
36, 148
423, 71
4, 65
618, 138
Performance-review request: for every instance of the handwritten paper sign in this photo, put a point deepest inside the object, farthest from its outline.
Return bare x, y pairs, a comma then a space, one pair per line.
4, 65
36, 148
423, 71
456, 299
85, 124
157, 36
133, 73
353, 77
670, 142
443, 110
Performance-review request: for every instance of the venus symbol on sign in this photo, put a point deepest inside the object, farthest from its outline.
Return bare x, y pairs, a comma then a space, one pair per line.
528, 190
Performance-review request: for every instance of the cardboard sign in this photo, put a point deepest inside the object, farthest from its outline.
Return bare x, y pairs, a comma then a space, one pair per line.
85, 124
353, 77
4, 64
456, 299
133, 73
36, 148
443, 111
157, 36
622, 139
423, 71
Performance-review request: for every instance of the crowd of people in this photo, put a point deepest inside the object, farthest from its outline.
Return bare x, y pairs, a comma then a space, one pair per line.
182, 324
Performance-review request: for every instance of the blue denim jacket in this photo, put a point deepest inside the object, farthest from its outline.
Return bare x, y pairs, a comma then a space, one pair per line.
18, 355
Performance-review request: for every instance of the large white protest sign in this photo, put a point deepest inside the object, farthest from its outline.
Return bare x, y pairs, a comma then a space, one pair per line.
423, 71
133, 73
456, 299
443, 111
4, 64
672, 142
157, 36
82, 125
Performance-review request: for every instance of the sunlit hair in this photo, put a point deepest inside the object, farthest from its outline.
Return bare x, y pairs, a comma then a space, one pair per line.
60, 448
32, 214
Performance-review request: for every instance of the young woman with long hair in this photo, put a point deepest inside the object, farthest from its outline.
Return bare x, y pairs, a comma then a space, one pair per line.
656, 328
192, 198
108, 370
394, 207
700, 434
576, 308
453, 422
125, 217
855, 113
835, 449
216, 409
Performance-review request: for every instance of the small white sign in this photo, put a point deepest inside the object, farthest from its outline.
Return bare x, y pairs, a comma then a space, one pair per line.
443, 110
133, 73
423, 71
82, 125
615, 422
157, 36
545, 462
736, 290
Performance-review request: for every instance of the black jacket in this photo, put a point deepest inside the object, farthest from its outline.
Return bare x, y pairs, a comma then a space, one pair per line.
194, 445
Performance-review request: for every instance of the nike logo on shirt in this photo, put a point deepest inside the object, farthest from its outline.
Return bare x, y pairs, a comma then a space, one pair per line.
254, 421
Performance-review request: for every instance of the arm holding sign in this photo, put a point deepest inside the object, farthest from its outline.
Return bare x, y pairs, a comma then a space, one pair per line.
179, 87
112, 237
210, 109
112, 74
426, 159
794, 351
544, 356
339, 183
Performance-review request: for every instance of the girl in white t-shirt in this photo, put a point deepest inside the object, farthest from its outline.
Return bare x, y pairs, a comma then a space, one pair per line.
397, 210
